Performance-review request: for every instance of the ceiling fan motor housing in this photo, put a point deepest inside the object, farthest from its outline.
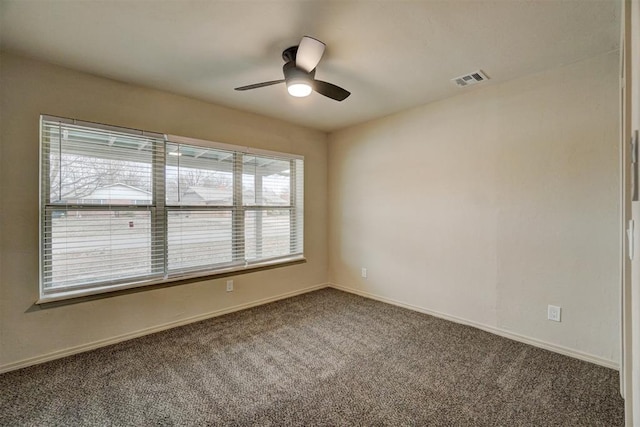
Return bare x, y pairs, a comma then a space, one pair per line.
292, 73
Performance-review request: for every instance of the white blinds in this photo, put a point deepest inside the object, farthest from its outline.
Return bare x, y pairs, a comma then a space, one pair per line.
99, 224
122, 208
272, 204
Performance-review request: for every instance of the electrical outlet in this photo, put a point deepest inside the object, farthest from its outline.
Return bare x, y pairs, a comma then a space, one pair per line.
229, 285
364, 272
553, 313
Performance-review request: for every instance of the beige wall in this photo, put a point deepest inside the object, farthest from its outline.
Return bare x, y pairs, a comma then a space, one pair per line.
29, 88
490, 205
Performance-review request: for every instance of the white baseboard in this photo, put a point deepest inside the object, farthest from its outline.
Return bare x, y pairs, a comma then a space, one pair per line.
497, 331
113, 340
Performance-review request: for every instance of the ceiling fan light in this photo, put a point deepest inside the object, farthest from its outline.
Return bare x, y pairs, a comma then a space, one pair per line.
299, 89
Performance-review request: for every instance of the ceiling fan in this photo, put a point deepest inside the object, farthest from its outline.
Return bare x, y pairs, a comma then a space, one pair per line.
300, 69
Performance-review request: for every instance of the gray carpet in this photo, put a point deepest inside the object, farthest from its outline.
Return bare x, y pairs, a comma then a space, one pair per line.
326, 358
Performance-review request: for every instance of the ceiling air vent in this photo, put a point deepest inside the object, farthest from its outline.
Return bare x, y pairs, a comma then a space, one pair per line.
470, 79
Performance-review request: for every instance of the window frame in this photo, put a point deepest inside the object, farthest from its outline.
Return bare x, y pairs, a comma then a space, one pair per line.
160, 209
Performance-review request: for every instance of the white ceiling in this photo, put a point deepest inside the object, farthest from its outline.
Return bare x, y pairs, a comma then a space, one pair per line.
391, 55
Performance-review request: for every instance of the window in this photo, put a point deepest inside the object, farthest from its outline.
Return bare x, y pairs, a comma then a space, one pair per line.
122, 208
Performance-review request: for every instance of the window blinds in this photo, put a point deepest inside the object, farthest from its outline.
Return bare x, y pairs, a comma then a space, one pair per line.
123, 208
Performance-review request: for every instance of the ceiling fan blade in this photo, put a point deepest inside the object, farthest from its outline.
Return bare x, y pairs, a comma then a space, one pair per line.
257, 85
309, 53
330, 90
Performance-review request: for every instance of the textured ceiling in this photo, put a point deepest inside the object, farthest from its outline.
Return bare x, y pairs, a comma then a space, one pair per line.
391, 55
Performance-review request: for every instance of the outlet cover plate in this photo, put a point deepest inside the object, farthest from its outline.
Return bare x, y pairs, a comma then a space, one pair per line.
554, 313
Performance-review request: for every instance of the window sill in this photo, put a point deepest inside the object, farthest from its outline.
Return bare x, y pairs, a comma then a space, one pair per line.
81, 295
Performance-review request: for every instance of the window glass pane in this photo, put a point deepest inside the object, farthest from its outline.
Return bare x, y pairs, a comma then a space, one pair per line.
88, 166
96, 246
198, 176
197, 239
266, 181
267, 233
